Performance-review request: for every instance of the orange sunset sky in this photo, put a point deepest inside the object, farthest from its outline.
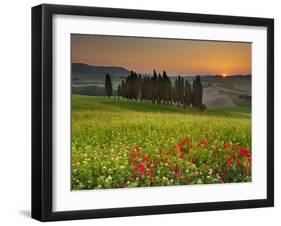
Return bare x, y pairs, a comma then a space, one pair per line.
176, 56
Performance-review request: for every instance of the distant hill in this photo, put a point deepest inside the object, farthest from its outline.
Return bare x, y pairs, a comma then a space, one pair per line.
79, 69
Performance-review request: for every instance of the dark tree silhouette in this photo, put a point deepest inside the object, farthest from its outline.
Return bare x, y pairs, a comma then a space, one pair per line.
179, 90
123, 89
139, 81
119, 93
167, 88
154, 87
187, 94
158, 89
108, 85
176, 92
197, 92
182, 90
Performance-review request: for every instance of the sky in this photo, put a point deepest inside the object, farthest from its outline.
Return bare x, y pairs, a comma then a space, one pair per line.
176, 56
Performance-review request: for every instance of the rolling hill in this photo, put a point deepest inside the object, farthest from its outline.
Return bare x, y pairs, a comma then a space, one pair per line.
79, 69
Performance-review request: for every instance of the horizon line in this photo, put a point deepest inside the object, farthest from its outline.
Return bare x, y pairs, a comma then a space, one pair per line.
172, 75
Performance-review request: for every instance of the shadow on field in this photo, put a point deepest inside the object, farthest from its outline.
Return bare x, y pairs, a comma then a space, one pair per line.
143, 106
240, 112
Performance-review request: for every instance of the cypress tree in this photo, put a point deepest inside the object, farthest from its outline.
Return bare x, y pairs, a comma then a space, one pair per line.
130, 85
150, 89
135, 86
178, 90
142, 94
145, 88
108, 85
182, 91
169, 90
159, 89
119, 91
123, 91
167, 86
154, 84
139, 87
197, 92
187, 93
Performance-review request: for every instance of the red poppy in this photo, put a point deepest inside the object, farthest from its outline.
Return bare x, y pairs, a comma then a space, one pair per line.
177, 176
145, 158
226, 145
185, 141
141, 169
244, 152
202, 143
182, 155
171, 166
229, 163
238, 163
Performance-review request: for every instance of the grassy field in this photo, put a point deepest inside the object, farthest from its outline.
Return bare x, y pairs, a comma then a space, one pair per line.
118, 143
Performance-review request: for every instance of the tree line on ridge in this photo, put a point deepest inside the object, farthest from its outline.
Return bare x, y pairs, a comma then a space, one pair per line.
159, 89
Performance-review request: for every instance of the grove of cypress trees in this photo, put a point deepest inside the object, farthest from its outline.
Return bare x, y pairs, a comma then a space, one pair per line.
158, 89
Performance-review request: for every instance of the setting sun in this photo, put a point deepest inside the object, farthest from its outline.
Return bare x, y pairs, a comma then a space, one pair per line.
176, 56
224, 75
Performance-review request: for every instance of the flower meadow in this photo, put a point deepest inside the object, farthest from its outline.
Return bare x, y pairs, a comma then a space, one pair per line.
123, 144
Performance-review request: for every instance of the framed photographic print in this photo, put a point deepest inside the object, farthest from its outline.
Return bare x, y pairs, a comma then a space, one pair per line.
145, 112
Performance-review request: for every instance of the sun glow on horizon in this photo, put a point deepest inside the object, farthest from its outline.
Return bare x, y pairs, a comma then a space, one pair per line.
175, 56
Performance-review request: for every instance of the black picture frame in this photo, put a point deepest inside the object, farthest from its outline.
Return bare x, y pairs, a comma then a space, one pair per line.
42, 111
